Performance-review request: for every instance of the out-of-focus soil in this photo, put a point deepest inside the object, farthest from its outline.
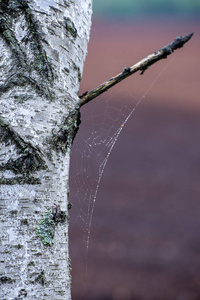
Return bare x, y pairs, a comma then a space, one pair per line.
145, 236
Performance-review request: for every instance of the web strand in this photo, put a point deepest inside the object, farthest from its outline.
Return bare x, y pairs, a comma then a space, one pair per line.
93, 156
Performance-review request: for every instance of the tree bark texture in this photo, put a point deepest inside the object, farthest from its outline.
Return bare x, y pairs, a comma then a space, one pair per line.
43, 45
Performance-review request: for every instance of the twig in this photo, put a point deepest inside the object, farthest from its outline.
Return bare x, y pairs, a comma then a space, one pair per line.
142, 66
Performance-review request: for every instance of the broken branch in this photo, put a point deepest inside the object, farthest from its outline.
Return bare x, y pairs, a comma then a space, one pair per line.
142, 66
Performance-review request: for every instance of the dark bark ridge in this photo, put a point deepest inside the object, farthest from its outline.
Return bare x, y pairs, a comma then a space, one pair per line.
64, 137
30, 69
24, 67
29, 159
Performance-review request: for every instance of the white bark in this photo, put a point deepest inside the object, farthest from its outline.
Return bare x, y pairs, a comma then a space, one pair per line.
43, 45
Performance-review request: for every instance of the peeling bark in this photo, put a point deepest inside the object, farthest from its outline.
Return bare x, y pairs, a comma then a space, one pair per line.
43, 46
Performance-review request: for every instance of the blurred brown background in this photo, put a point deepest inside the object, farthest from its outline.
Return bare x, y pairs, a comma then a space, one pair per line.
145, 234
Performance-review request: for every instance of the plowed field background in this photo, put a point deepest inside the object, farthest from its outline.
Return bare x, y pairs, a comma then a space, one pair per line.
145, 237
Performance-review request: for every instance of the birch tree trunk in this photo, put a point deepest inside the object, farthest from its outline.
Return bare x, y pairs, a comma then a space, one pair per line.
43, 45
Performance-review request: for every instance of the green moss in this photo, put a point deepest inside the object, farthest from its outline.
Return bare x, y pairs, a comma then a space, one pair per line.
46, 229
70, 27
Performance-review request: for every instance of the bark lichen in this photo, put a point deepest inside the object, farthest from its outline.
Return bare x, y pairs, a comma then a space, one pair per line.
46, 227
70, 27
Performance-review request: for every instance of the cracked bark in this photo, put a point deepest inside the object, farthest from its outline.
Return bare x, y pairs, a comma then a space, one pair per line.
42, 51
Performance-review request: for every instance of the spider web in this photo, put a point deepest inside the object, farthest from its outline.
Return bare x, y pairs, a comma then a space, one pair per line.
91, 152
100, 129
